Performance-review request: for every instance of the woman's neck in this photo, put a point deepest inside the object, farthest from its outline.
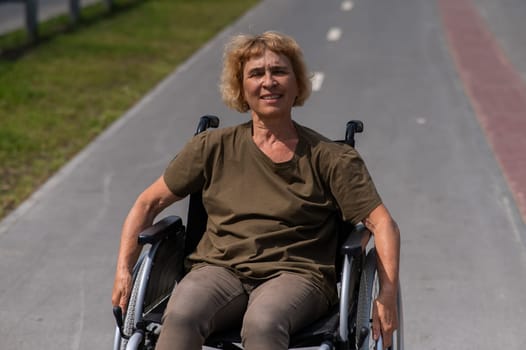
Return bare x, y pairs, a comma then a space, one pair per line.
273, 129
275, 137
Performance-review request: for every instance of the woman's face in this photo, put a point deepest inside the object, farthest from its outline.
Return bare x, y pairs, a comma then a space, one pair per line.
269, 85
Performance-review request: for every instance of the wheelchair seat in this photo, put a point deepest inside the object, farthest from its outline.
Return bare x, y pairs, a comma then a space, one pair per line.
315, 333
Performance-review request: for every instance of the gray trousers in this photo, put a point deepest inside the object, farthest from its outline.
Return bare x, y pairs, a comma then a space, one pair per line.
213, 298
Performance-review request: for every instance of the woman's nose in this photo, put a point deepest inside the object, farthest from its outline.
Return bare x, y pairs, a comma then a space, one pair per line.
268, 80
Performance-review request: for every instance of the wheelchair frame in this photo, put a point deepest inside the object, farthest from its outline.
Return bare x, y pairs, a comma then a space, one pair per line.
347, 326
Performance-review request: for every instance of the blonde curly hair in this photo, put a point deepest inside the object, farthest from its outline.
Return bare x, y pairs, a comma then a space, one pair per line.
242, 48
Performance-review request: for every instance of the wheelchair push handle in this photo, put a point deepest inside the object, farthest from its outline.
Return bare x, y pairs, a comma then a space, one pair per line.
117, 313
205, 122
353, 127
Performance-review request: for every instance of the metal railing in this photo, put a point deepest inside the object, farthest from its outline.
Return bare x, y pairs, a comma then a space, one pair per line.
31, 13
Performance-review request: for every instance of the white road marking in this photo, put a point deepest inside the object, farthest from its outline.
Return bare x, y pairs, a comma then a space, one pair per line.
317, 81
506, 203
347, 5
334, 34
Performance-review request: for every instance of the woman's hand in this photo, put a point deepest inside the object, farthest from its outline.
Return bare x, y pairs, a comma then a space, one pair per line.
122, 289
385, 318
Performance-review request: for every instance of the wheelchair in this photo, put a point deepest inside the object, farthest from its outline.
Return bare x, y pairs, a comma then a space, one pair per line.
348, 325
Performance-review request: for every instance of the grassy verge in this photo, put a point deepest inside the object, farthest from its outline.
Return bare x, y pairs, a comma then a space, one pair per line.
58, 95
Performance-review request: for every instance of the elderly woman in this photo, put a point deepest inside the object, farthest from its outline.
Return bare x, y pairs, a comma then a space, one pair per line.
274, 191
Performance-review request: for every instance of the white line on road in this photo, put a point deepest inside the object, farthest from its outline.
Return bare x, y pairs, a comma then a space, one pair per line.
334, 34
505, 201
317, 81
347, 5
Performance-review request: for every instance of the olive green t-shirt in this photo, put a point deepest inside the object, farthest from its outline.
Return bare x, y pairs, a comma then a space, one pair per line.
265, 218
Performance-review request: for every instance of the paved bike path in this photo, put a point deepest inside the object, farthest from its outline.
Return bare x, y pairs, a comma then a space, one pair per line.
463, 256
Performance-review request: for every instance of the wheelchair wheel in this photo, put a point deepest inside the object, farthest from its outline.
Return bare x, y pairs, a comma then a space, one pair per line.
154, 277
369, 289
129, 318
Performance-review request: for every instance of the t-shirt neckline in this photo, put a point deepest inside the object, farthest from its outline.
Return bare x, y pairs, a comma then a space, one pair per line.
261, 155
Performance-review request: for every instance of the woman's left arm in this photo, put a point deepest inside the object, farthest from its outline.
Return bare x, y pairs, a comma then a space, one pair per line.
387, 242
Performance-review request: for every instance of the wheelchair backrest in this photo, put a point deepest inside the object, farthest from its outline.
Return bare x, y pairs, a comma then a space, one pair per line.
195, 223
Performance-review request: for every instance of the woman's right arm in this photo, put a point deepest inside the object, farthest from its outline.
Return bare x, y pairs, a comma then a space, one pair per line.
147, 206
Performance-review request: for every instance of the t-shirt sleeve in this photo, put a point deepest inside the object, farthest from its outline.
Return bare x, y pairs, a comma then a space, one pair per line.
185, 173
352, 186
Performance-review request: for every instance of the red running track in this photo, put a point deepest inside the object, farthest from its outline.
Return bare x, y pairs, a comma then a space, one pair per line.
495, 89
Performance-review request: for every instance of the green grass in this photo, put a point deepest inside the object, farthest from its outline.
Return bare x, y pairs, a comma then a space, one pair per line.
58, 95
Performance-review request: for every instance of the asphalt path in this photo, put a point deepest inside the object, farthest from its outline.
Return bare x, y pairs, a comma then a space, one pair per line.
463, 264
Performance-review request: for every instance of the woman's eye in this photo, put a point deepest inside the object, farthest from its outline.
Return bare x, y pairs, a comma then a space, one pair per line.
281, 72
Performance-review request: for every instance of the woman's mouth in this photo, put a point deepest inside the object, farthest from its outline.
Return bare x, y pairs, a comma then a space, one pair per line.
270, 97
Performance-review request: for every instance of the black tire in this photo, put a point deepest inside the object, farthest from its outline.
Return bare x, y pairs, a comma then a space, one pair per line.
129, 318
369, 289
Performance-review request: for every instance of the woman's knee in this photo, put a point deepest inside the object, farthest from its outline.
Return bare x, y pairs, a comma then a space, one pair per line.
184, 321
182, 314
265, 327
203, 299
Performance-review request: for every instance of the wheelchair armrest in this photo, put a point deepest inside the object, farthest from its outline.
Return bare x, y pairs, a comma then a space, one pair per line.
356, 241
160, 230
